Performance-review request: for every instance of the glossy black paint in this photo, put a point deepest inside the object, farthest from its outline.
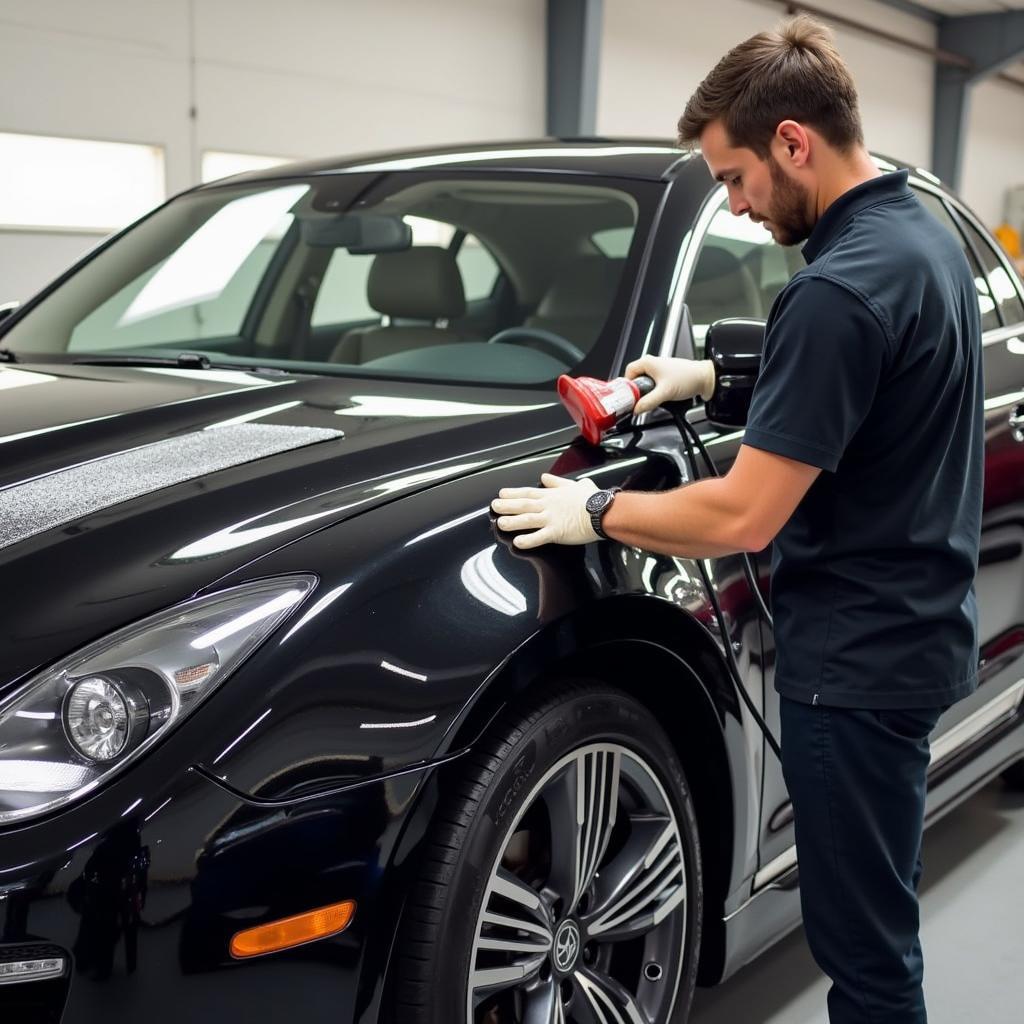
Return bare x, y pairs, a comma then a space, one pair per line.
311, 775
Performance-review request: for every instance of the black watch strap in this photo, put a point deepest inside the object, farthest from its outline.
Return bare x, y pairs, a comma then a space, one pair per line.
596, 517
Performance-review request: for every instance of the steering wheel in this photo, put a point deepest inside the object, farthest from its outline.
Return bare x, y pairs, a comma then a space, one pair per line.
553, 344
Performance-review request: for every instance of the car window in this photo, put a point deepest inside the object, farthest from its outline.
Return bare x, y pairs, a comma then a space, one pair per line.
739, 272
280, 273
987, 304
612, 242
478, 267
202, 290
1004, 293
342, 296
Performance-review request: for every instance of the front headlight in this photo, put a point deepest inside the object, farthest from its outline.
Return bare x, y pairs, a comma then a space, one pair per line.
73, 726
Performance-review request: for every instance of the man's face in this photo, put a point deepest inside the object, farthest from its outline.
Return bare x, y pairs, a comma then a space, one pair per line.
761, 189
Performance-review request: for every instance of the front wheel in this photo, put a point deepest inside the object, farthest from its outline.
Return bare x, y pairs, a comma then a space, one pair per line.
562, 882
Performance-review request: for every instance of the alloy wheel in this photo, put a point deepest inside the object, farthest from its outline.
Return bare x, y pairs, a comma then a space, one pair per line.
583, 918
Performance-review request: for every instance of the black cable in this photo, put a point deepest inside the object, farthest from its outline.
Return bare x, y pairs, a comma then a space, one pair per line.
690, 437
686, 428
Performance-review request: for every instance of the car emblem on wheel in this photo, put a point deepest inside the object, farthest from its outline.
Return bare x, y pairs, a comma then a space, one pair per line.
567, 946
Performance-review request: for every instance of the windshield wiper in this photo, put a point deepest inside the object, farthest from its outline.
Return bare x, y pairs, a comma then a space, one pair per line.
183, 361
7, 356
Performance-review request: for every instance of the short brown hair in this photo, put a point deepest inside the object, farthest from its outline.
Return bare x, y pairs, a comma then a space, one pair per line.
794, 73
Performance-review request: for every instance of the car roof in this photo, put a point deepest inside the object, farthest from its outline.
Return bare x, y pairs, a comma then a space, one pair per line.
646, 158
651, 159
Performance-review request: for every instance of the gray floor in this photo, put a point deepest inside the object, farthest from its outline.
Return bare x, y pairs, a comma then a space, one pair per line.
972, 931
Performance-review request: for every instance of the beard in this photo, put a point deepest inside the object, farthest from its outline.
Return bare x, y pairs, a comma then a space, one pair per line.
788, 210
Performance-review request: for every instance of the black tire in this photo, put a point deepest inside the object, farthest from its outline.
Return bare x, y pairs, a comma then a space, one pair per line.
528, 763
1014, 776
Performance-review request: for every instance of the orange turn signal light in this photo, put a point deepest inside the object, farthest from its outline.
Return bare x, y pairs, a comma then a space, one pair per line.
293, 931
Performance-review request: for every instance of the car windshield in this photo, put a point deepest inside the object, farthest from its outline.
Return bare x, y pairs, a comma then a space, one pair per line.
479, 278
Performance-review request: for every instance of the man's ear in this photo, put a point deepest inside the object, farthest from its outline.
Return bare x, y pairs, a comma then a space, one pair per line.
793, 142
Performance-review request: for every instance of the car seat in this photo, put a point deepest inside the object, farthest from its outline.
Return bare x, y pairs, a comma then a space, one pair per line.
420, 283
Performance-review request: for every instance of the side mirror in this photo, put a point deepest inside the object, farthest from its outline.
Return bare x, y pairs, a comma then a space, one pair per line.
7, 308
734, 346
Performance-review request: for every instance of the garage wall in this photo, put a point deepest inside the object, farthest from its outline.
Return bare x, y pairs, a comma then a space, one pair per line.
303, 79
651, 65
316, 77
994, 158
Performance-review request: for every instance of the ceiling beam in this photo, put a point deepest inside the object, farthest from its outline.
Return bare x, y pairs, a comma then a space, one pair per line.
990, 43
573, 59
917, 10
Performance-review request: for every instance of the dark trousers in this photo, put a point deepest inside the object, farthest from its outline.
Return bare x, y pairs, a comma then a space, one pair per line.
857, 780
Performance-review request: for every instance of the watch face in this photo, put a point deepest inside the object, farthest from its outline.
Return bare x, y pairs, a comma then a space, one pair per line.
598, 500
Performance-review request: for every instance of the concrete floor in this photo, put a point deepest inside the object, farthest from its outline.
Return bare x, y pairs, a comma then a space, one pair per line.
972, 900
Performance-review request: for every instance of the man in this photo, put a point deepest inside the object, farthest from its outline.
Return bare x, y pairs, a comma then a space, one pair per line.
862, 460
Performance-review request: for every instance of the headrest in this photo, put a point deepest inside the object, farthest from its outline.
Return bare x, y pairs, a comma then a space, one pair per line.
422, 283
583, 287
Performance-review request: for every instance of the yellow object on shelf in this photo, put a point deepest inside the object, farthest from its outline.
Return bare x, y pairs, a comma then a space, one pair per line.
1009, 238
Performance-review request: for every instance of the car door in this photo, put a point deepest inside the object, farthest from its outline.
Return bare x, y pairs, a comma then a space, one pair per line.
1000, 580
738, 272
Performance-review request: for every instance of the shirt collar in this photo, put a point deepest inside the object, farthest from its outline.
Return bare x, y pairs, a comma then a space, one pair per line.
861, 197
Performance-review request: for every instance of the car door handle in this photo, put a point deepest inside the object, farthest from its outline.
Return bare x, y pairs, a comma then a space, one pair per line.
1017, 423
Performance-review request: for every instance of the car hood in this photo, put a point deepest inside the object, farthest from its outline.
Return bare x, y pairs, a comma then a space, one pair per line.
124, 489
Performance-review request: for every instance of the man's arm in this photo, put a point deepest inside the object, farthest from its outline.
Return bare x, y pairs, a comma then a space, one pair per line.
742, 511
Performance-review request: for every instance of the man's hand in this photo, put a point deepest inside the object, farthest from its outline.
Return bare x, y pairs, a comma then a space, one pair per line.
555, 512
674, 379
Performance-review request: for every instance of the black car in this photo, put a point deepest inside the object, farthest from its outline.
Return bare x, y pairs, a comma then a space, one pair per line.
288, 728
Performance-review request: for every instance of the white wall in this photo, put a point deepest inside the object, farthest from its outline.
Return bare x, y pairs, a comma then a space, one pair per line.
320, 77
304, 79
994, 157
655, 53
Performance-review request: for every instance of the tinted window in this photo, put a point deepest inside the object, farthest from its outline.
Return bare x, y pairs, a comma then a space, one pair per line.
1002, 287
739, 271
478, 268
987, 304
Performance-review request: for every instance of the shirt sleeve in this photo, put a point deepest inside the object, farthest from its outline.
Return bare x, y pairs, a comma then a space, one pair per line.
825, 352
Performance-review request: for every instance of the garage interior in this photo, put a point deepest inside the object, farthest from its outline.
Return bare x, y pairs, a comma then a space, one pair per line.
110, 107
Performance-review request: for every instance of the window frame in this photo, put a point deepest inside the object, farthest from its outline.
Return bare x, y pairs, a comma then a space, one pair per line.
958, 212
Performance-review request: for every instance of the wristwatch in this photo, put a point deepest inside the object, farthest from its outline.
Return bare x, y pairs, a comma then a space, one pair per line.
597, 504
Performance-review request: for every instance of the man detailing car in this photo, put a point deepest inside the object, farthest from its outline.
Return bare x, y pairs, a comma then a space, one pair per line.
863, 460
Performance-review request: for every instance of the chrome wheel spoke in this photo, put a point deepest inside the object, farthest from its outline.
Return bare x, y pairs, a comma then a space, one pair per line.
602, 1000
583, 804
513, 939
642, 885
544, 1005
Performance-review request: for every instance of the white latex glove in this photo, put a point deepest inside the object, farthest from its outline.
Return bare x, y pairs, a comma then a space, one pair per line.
675, 379
555, 512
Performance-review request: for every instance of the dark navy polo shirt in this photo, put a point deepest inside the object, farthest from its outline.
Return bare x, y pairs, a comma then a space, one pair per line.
872, 371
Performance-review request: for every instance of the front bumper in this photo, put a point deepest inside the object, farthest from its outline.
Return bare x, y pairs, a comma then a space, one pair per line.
141, 896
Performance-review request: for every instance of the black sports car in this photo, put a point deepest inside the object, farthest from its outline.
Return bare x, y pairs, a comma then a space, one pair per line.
288, 728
